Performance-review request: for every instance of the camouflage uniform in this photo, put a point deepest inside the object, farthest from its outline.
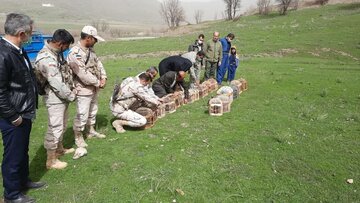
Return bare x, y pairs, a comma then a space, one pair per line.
88, 72
148, 88
195, 69
58, 94
131, 96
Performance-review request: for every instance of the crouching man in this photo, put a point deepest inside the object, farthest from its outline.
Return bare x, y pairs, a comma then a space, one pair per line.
131, 94
169, 82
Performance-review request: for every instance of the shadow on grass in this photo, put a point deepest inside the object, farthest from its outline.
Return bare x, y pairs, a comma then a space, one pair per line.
37, 165
352, 6
101, 121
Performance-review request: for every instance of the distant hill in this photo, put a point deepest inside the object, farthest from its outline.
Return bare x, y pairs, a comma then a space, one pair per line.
140, 11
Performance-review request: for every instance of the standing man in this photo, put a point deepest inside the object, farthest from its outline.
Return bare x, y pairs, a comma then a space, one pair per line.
133, 93
18, 101
196, 59
226, 44
53, 70
198, 44
174, 63
89, 76
213, 54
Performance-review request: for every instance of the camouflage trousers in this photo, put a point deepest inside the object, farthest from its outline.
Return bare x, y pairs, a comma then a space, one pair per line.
57, 123
86, 110
195, 72
134, 119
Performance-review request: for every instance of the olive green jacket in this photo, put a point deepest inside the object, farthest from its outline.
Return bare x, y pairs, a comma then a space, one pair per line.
213, 51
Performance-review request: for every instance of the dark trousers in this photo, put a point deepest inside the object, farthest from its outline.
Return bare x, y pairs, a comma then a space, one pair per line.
15, 164
221, 71
210, 69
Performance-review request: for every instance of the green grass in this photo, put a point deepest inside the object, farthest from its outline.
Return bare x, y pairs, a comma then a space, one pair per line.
292, 137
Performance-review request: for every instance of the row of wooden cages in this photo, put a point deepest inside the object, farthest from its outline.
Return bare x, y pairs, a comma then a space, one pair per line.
173, 101
222, 102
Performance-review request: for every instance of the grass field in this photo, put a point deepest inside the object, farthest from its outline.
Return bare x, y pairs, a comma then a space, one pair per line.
292, 137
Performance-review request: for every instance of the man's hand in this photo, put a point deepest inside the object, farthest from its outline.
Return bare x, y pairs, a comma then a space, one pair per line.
102, 83
17, 122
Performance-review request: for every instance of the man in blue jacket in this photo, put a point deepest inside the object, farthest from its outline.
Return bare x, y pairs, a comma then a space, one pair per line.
226, 44
18, 101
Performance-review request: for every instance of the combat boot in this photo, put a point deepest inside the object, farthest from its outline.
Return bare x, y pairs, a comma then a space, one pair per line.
93, 134
79, 140
52, 162
61, 150
118, 125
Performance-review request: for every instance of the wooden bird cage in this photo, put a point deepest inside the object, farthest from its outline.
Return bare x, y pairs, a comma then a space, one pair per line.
215, 107
193, 95
236, 91
150, 116
179, 97
238, 84
226, 90
225, 102
244, 84
169, 103
203, 90
212, 84
160, 111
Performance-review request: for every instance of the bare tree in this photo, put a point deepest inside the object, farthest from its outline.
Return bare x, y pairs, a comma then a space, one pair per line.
231, 8
295, 4
283, 6
95, 24
198, 16
263, 6
104, 26
172, 13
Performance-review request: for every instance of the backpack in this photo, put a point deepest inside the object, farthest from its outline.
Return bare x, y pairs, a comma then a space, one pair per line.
41, 82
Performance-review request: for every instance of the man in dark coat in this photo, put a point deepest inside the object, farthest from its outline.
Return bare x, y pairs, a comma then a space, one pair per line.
167, 83
18, 100
174, 63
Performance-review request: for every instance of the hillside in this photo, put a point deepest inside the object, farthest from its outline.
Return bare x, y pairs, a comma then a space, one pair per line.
293, 136
140, 11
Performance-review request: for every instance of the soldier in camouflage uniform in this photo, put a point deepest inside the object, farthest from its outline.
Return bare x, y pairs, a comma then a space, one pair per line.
152, 71
131, 95
89, 76
55, 78
196, 59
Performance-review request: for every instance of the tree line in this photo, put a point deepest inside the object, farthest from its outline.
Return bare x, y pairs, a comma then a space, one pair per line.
173, 13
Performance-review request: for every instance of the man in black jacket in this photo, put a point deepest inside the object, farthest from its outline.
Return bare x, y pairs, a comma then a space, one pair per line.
174, 63
167, 83
18, 101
